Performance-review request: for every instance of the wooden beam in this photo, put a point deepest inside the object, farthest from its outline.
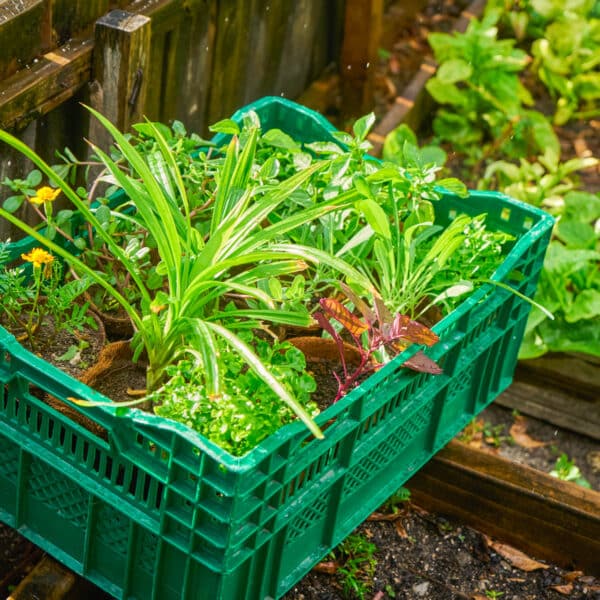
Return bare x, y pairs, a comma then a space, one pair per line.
121, 60
57, 76
548, 518
555, 405
51, 580
23, 33
362, 33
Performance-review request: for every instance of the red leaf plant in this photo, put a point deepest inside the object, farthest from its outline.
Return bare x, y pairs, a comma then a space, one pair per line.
377, 330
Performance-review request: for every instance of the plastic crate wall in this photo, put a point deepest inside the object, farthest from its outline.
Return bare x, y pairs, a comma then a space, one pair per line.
150, 509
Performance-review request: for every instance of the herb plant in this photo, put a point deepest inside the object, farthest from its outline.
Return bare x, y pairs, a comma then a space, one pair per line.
187, 317
245, 411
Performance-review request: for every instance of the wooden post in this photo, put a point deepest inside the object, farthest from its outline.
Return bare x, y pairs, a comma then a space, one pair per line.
120, 67
362, 34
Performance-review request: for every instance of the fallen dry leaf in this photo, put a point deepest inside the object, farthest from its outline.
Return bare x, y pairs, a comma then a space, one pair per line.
400, 530
329, 567
377, 516
519, 434
572, 576
566, 589
516, 558
593, 459
479, 597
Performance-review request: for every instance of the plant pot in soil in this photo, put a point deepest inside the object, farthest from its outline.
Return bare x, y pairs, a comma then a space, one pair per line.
117, 323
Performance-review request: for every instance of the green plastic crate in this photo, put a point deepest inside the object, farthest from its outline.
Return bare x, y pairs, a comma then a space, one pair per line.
155, 511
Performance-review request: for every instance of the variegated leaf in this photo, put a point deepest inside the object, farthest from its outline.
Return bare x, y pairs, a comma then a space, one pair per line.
336, 310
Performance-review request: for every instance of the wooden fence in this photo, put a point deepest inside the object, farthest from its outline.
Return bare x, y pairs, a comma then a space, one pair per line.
192, 60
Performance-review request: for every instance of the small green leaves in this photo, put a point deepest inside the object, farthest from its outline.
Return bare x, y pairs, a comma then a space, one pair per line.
454, 70
13, 203
226, 126
363, 125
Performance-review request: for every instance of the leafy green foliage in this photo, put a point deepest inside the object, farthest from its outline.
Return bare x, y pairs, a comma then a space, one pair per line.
478, 79
245, 411
569, 284
37, 296
567, 470
209, 241
566, 61
543, 182
401, 146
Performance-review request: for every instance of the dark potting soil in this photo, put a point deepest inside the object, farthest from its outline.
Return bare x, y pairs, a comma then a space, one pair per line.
553, 441
65, 349
424, 556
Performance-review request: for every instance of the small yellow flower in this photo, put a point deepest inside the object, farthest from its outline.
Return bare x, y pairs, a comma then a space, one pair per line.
45, 194
39, 257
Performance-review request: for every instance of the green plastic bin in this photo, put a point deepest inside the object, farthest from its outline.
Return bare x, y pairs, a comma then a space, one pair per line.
152, 510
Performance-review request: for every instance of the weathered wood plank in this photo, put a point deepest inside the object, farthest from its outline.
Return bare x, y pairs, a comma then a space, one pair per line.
121, 59
193, 66
180, 65
50, 580
55, 78
74, 17
553, 404
362, 33
230, 57
23, 33
267, 37
548, 518
578, 373
306, 24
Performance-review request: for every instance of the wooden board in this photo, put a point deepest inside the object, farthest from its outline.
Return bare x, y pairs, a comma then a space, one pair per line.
55, 78
543, 516
24, 34
550, 402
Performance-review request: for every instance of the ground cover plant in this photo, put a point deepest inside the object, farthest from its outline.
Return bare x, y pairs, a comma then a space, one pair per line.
211, 249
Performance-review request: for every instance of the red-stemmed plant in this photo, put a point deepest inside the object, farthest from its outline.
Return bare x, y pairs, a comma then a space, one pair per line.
377, 332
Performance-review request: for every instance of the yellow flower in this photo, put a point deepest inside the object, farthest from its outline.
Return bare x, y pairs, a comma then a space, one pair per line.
39, 257
44, 194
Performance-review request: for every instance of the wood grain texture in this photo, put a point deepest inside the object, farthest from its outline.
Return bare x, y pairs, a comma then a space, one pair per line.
548, 518
121, 61
232, 36
555, 405
22, 23
363, 26
181, 62
56, 77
